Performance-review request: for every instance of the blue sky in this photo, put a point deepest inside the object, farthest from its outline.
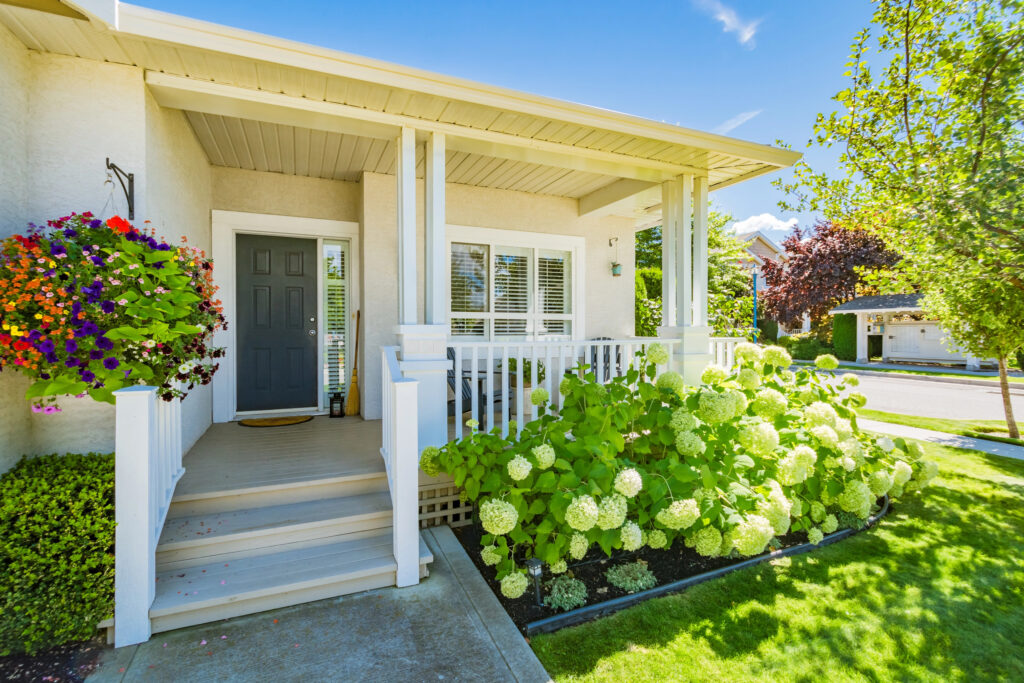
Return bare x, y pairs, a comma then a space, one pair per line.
754, 70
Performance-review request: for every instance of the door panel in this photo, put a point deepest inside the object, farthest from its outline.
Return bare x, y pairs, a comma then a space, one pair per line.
277, 322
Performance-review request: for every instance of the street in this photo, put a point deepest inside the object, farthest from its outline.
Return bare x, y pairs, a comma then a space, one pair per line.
939, 399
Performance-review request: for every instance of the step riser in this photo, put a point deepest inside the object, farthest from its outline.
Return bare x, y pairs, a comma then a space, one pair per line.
245, 606
287, 538
317, 490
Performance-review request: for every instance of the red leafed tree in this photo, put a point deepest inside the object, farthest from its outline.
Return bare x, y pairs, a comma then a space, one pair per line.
819, 271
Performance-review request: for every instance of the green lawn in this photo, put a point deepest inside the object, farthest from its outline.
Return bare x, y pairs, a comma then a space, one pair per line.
976, 428
934, 592
928, 373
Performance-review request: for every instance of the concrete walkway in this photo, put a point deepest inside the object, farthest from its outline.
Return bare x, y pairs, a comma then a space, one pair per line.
992, 447
448, 628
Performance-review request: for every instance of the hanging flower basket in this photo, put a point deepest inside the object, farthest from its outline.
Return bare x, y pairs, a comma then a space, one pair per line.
89, 306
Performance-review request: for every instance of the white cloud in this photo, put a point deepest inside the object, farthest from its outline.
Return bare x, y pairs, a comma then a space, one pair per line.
736, 121
731, 21
763, 221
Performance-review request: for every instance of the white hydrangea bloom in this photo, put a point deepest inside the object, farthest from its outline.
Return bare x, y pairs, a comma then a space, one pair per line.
745, 352
739, 401
681, 514
827, 361
539, 396
628, 482
519, 468
578, 546
817, 511
856, 498
611, 512
797, 507
768, 403
498, 516
857, 399
670, 381
749, 379
805, 456
715, 408
631, 536
760, 438
708, 541
514, 585
657, 539
815, 536
787, 377
688, 443
490, 555
820, 413
915, 449
850, 379
657, 354
843, 427
826, 436
901, 473
559, 567
752, 535
776, 508
713, 374
851, 448
885, 443
582, 513
545, 456
830, 524
789, 471
929, 470
880, 482
777, 356
849, 464
683, 420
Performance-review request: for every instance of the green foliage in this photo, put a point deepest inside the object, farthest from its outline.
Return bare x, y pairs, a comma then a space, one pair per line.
631, 577
513, 370
804, 346
734, 453
639, 286
647, 317
769, 330
844, 335
651, 277
565, 593
56, 550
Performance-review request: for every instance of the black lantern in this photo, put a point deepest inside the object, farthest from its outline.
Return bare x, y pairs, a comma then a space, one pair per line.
534, 566
337, 405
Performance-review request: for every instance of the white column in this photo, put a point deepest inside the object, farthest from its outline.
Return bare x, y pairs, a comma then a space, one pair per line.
134, 561
669, 200
405, 172
684, 252
700, 256
436, 303
862, 338
405, 525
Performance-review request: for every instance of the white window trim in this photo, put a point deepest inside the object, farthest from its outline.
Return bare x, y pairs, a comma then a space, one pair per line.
492, 237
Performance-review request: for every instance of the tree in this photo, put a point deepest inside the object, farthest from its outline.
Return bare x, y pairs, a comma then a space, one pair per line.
730, 301
822, 269
932, 151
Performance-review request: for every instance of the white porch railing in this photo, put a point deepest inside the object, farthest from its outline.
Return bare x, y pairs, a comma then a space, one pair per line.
491, 381
147, 464
400, 450
723, 350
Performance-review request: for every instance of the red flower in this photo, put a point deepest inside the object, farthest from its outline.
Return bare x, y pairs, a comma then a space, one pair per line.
20, 345
119, 224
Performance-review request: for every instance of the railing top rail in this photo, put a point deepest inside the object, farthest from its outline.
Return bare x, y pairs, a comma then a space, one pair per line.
728, 339
394, 368
563, 342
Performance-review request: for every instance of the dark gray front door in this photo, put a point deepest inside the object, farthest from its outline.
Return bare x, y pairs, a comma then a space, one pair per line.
277, 322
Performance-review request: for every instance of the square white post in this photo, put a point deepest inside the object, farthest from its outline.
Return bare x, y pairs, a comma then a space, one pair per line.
436, 261
134, 559
700, 247
684, 252
862, 338
405, 172
669, 200
405, 525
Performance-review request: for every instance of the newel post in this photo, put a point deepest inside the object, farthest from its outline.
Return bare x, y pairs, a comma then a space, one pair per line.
405, 524
134, 561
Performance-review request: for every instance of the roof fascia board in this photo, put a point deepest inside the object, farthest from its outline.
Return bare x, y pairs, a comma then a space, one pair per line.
154, 25
214, 98
901, 309
101, 12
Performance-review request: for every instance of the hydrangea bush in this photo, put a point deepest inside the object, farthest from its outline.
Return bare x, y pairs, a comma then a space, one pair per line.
753, 453
89, 306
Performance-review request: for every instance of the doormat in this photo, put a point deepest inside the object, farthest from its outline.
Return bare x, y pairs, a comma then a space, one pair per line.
276, 421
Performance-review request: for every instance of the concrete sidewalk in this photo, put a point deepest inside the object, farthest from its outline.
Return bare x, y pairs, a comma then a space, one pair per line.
992, 447
931, 373
448, 628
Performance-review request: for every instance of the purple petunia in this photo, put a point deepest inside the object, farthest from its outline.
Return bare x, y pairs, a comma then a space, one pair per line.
95, 223
46, 347
97, 260
70, 232
70, 346
111, 363
96, 354
58, 249
107, 306
87, 375
72, 362
87, 329
104, 343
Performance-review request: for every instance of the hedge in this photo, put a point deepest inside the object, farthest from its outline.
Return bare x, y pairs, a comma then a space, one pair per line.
56, 550
844, 335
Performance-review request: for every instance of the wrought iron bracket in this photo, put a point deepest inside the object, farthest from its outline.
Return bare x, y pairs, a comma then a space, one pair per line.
129, 189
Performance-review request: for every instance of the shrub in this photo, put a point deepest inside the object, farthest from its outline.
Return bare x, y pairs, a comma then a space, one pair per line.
804, 346
769, 330
56, 550
632, 577
844, 335
741, 470
566, 593
652, 281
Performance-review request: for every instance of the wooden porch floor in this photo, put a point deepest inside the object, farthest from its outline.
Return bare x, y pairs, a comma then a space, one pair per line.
230, 456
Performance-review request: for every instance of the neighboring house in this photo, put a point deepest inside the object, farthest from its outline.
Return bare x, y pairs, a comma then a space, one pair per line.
463, 220
762, 248
896, 324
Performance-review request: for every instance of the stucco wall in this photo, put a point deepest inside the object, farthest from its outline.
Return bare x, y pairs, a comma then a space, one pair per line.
608, 299
284, 195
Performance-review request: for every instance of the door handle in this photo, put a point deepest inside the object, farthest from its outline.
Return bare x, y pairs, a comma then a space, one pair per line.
312, 333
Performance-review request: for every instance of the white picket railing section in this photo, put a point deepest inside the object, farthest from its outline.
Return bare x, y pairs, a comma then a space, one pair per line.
723, 350
147, 464
400, 450
499, 385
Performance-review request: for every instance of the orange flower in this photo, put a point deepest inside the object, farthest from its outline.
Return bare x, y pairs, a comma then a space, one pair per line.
119, 224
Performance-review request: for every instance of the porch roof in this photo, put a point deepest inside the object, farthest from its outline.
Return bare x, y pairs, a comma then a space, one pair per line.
246, 93
881, 303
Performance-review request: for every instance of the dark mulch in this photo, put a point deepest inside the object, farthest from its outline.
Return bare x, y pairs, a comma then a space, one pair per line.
71, 662
677, 562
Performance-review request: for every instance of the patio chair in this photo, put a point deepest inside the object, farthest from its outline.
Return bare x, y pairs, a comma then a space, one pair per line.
604, 356
467, 392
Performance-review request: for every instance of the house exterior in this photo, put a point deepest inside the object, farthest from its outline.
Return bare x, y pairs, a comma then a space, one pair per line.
461, 220
905, 333
761, 248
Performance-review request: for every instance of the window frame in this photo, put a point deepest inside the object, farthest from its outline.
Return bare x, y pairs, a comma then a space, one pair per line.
536, 242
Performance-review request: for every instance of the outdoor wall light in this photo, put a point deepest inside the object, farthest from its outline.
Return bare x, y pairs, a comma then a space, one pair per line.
534, 567
616, 269
616, 266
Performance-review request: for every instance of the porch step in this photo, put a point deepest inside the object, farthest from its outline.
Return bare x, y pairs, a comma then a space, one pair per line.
230, 535
229, 499
215, 591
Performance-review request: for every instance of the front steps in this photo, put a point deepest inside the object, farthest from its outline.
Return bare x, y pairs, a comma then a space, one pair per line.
236, 551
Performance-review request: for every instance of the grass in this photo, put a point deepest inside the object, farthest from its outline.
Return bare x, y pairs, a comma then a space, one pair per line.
928, 373
934, 592
995, 430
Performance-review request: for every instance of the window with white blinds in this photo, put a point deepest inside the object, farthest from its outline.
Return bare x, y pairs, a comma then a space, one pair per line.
503, 292
335, 317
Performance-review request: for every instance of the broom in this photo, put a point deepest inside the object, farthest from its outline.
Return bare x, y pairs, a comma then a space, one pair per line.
352, 399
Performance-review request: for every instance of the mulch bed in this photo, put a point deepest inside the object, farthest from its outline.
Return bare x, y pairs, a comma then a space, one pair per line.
71, 662
678, 562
